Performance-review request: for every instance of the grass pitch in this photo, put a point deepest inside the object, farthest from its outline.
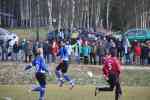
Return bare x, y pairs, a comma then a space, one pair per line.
53, 92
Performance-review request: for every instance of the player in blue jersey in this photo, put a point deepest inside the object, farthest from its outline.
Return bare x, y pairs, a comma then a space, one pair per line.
40, 73
62, 68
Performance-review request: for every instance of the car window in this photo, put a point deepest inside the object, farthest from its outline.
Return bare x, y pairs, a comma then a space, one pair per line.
1, 32
132, 33
141, 32
136, 32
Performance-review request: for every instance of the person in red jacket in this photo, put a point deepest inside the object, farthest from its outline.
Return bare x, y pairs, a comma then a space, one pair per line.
111, 71
137, 53
55, 49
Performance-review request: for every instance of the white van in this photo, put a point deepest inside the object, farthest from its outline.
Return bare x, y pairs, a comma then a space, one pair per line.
5, 35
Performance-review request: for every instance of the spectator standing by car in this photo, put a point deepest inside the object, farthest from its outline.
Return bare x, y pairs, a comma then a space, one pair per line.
16, 49
29, 53
4, 51
23, 45
149, 53
144, 54
137, 53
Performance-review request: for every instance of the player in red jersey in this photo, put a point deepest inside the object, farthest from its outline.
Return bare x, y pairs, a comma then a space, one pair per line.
111, 71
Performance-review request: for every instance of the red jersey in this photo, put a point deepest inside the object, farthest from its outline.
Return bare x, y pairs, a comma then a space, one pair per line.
111, 64
55, 48
137, 51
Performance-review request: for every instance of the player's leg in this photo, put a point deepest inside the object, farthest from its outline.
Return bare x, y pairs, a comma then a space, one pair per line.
111, 82
58, 72
59, 76
42, 83
118, 91
66, 76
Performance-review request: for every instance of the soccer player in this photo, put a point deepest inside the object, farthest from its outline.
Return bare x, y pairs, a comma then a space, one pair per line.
40, 73
62, 68
111, 71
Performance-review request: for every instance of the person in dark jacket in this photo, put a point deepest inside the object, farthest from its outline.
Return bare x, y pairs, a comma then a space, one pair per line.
16, 48
144, 55
101, 52
93, 53
29, 52
46, 51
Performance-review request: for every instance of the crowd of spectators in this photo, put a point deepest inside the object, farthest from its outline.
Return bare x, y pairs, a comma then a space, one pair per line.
80, 50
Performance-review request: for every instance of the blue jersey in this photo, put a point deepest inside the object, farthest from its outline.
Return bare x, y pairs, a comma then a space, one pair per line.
39, 64
63, 53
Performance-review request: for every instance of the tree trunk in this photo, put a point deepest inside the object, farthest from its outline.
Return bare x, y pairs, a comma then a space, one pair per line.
37, 20
50, 15
60, 16
108, 11
73, 15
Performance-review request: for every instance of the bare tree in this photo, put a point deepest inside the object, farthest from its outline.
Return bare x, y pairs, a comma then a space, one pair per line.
107, 15
60, 15
49, 2
73, 14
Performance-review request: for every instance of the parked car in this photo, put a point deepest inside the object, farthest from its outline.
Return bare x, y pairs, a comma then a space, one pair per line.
5, 36
139, 34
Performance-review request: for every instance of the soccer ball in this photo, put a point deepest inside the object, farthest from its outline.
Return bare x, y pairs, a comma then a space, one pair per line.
90, 74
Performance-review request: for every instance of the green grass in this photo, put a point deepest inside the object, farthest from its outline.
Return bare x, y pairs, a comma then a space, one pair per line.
53, 92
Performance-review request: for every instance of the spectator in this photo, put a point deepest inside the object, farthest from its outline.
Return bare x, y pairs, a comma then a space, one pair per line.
86, 52
55, 49
23, 45
119, 49
77, 50
93, 53
46, 51
137, 53
69, 49
149, 54
16, 49
35, 47
61, 34
144, 55
101, 52
4, 51
29, 53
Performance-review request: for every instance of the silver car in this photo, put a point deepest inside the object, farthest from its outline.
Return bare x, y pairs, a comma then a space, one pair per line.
5, 35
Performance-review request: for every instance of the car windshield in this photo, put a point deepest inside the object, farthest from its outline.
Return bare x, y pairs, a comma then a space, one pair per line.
132, 33
141, 32
136, 32
3, 31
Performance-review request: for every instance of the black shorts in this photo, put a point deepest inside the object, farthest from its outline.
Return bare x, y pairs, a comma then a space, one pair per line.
41, 77
63, 67
112, 79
